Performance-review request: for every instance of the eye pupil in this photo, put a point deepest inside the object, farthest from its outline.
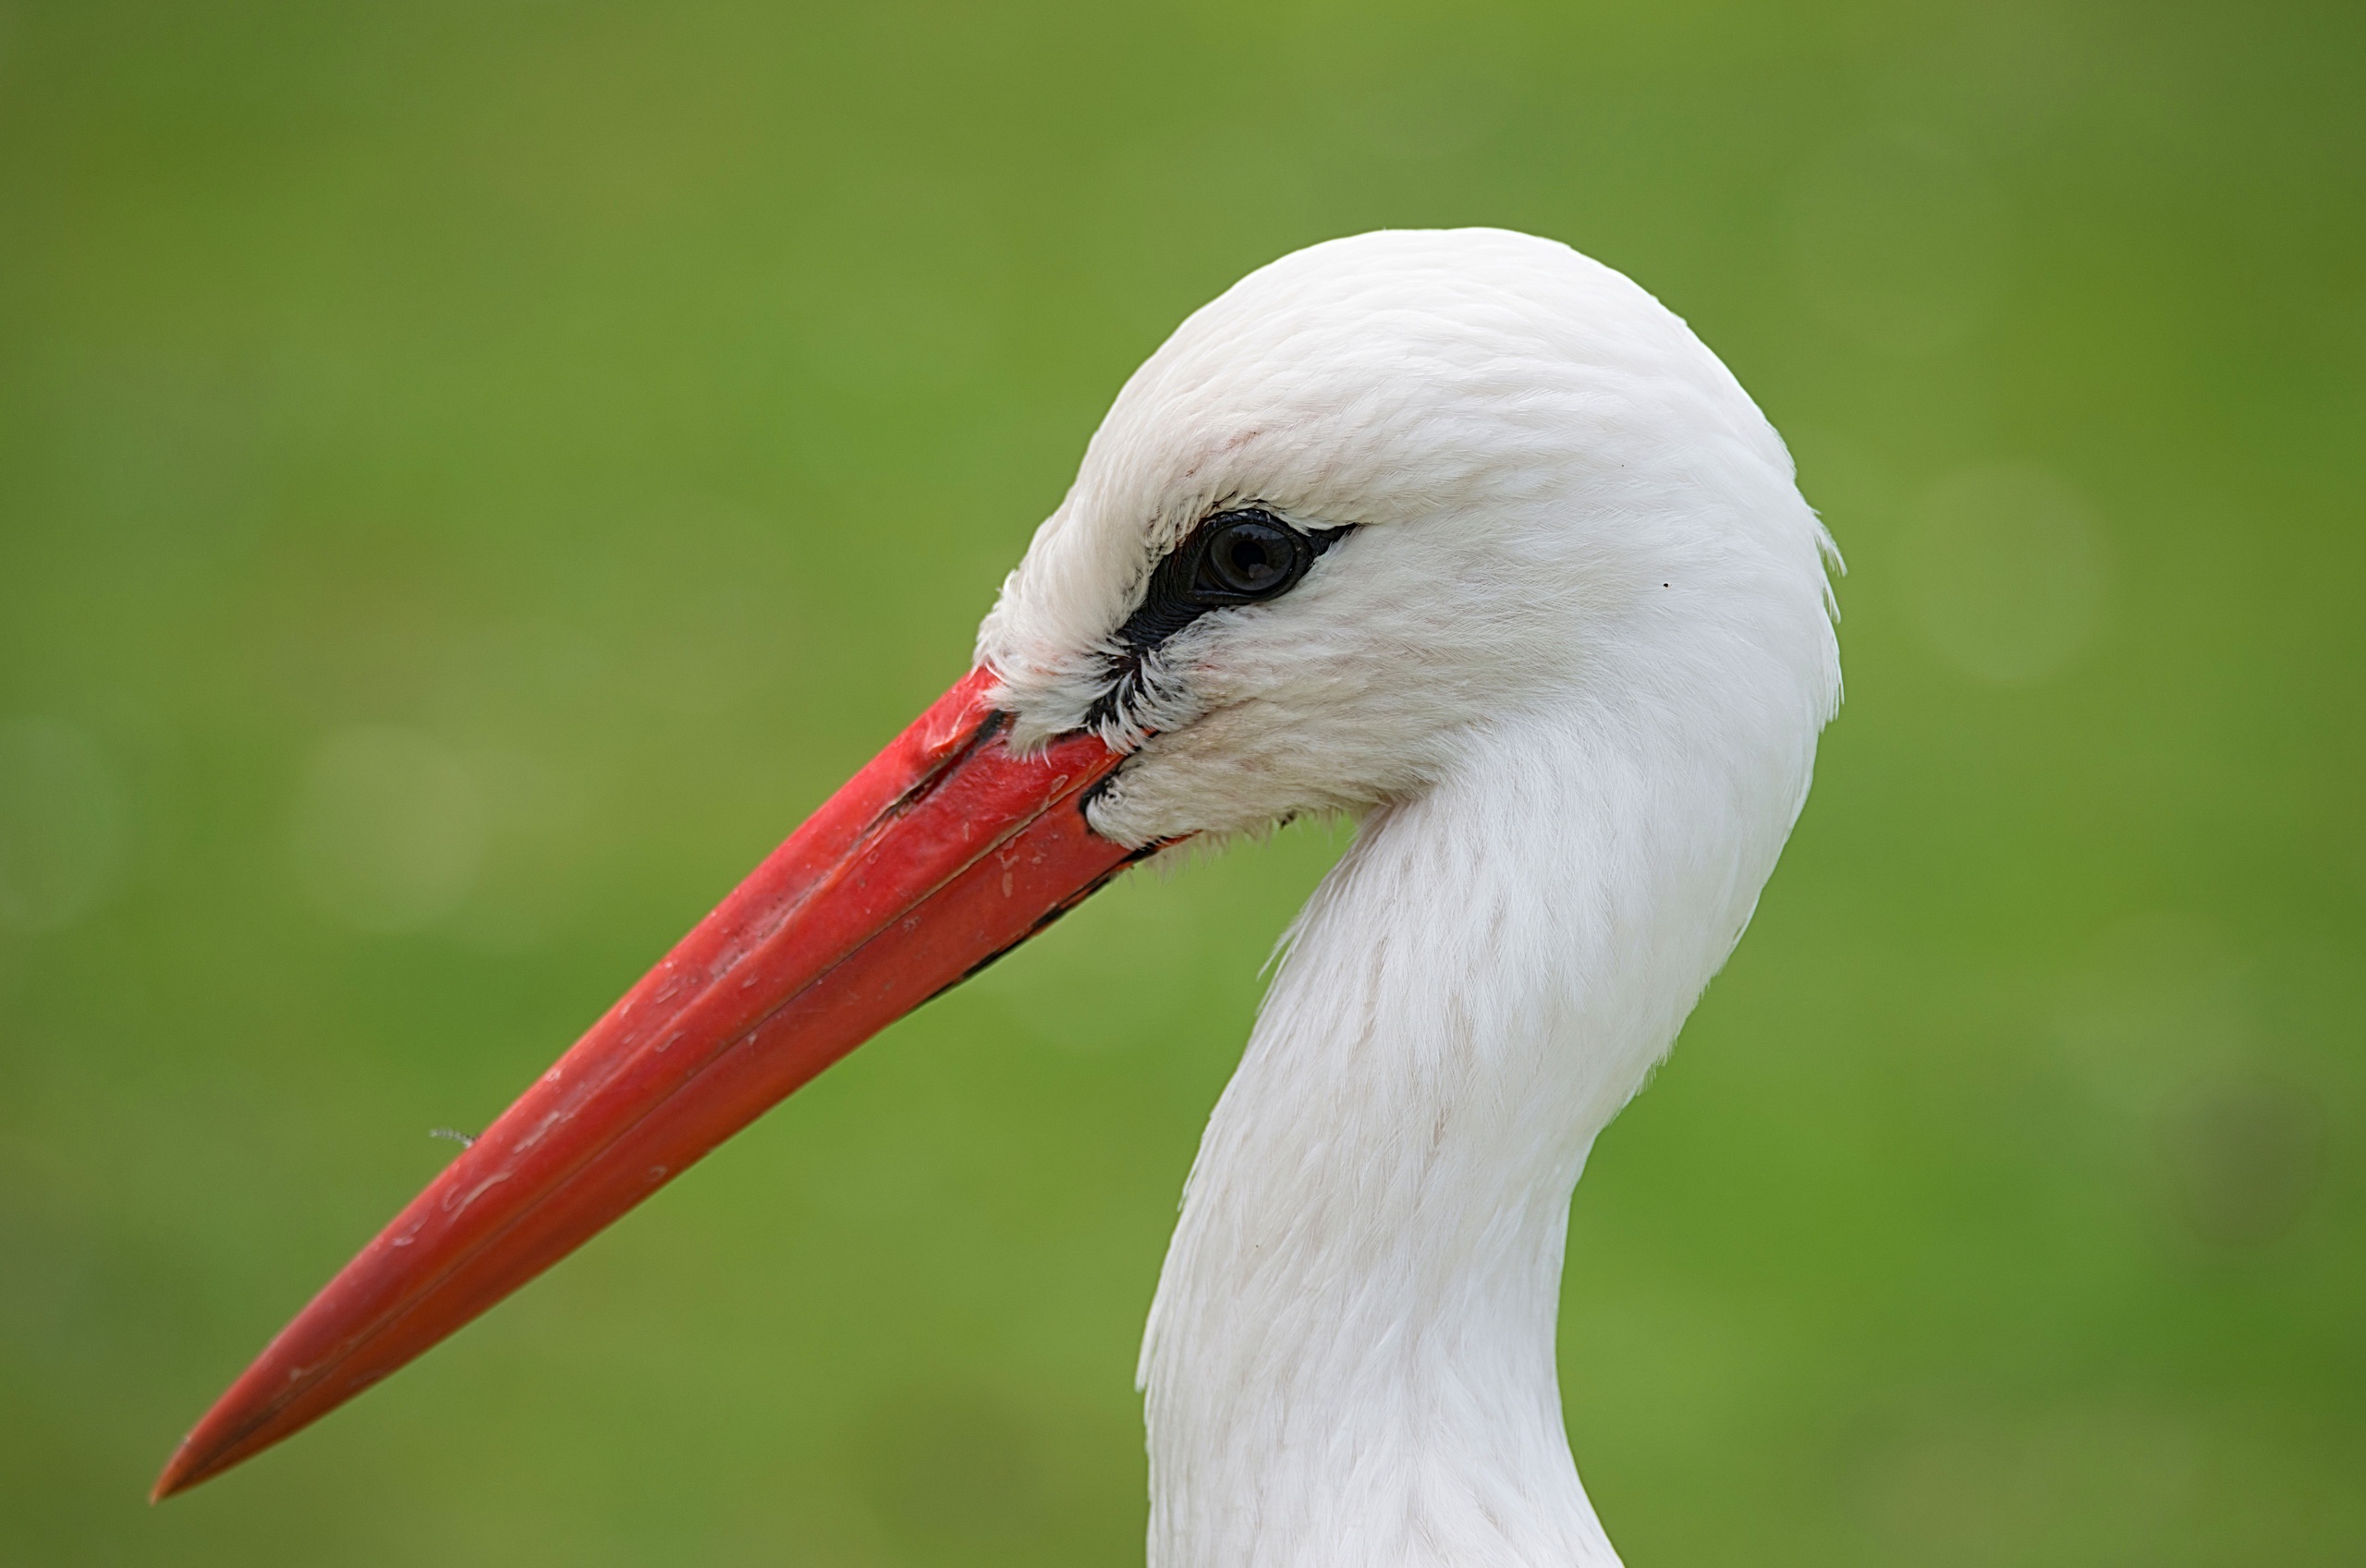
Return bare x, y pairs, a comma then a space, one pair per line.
1250, 557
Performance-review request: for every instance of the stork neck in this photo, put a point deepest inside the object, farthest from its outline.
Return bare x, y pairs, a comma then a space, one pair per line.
1351, 1356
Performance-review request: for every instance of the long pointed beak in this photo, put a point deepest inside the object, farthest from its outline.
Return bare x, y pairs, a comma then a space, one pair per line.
944, 851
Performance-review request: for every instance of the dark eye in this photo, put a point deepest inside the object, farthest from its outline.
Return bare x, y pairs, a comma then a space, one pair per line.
1243, 557
1249, 557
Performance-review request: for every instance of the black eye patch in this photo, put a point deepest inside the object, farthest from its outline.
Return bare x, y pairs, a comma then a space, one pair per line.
1245, 556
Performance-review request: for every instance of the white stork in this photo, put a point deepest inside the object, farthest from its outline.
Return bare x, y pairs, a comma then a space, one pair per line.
1459, 532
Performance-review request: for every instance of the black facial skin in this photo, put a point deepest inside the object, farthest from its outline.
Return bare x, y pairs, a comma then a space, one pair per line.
1244, 556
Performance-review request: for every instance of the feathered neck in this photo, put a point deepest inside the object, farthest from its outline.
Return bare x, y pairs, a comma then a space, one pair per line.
1350, 1359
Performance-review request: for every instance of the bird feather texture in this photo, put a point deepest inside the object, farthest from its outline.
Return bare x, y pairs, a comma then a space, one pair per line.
1568, 671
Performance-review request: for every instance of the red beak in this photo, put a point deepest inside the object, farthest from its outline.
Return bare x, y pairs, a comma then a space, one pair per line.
944, 851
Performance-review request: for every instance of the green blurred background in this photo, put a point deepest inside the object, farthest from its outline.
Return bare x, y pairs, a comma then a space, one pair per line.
472, 475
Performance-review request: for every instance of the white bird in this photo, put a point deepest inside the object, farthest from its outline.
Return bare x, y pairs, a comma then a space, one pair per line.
1459, 532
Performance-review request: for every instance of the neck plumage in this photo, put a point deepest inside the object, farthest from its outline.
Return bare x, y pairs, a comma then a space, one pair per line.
1350, 1359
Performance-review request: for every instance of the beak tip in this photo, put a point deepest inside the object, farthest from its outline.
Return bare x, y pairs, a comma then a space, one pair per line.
190, 1465
175, 1478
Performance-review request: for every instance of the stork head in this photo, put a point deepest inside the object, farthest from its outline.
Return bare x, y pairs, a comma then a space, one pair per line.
1385, 489
1384, 494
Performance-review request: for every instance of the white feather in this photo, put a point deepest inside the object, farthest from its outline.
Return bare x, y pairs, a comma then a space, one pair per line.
1570, 668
